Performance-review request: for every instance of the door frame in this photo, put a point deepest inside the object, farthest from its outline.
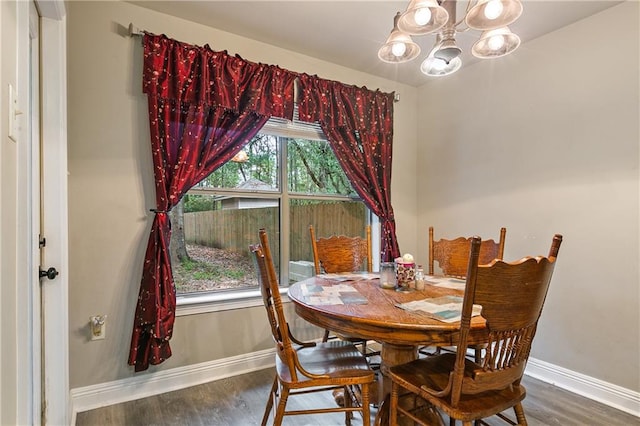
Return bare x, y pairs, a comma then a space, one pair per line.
28, 345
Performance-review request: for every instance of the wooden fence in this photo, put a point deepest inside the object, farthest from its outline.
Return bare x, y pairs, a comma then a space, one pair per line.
237, 229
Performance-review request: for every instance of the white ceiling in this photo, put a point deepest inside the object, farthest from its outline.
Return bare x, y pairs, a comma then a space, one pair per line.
349, 33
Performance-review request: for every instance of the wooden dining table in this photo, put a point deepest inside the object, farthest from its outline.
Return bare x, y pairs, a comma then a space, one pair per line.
376, 316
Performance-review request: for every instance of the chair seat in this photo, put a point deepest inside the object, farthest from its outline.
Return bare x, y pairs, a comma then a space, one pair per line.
336, 359
433, 373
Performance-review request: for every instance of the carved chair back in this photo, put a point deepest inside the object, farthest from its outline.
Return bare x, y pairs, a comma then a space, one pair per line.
512, 296
453, 255
339, 253
268, 281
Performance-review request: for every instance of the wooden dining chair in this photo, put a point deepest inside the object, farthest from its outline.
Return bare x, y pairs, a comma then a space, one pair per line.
340, 253
453, 255
453, 258
511, 296
302, 368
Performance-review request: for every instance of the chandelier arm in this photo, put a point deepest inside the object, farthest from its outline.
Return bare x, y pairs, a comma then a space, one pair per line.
458, 23
470, 4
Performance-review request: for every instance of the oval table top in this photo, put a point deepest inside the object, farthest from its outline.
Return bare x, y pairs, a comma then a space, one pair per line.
379, 318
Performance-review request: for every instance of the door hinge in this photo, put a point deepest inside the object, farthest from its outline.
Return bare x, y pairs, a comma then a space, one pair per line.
42, 241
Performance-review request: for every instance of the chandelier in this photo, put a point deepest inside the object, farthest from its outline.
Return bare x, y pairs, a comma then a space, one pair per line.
439, 17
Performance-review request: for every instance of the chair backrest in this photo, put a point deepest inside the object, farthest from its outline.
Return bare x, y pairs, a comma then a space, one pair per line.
453, 255
340, 253
511, 296
268, 280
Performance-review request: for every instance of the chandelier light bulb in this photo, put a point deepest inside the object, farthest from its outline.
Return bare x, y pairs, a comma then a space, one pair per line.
493, 9
496, 42
422, 16
435, 67
439, 64
438, 67
398, 49
488, 15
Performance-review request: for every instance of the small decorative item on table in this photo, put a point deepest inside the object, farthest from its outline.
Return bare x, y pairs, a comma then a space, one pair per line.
405, 272
420, 278
387, 275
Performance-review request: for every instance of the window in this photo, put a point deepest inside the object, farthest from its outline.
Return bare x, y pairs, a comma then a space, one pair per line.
283, 180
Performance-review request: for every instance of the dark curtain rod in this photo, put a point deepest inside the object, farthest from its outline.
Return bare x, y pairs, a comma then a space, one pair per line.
135, 31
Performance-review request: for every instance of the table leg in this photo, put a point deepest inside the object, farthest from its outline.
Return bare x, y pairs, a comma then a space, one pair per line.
395, 355
391, 355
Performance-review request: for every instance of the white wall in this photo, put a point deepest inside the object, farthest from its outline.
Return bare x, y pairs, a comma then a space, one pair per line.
111, 186
546, 141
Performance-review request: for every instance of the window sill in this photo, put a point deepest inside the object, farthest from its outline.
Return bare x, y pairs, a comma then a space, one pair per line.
216, 302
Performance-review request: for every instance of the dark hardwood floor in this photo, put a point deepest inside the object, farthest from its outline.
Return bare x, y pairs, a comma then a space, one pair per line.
240, 401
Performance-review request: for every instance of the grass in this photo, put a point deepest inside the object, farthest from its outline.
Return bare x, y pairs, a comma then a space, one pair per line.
212, 269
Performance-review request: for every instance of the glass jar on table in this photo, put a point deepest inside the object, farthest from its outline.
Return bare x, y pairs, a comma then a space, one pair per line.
387, 275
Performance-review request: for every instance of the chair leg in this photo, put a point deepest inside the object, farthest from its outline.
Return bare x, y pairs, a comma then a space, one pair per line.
393, 405
522, 420
282, 404
269, 406
366, 413
326, 336
348, 400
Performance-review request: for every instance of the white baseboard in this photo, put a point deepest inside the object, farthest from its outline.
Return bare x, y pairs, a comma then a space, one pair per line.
142, 386
612, 395
145, 385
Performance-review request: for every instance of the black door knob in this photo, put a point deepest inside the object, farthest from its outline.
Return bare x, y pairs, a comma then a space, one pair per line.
50, 273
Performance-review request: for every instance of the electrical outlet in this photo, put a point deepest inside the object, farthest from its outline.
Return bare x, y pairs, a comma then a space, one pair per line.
98, 326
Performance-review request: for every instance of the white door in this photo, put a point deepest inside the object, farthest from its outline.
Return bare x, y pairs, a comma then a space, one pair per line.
53, 306
35, 403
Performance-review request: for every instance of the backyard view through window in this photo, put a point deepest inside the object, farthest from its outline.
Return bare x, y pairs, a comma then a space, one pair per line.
279, 182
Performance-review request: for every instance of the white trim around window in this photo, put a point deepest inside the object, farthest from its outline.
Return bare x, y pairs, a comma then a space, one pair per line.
192, 304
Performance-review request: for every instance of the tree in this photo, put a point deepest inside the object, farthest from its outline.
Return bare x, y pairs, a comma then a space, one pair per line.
314, 168
177, 245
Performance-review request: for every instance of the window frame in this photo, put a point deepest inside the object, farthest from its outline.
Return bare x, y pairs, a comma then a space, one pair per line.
212, 301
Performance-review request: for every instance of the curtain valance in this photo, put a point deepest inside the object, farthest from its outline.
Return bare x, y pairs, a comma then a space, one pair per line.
198, 75
340, 105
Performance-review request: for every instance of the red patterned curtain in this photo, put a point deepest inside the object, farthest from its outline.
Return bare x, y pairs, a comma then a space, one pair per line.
204, 106
359, 126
